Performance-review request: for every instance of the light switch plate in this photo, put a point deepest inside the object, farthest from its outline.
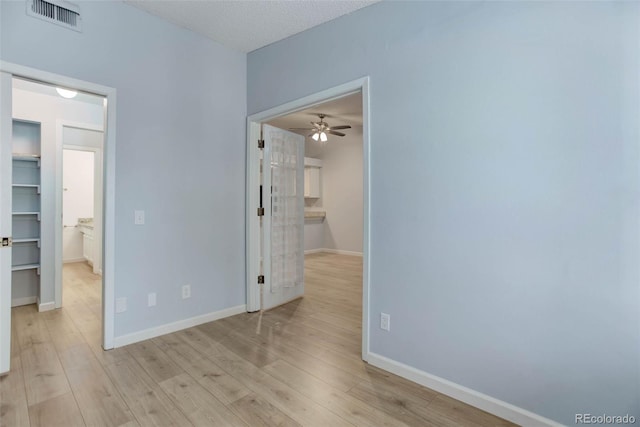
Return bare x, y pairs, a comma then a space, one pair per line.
138, 217
121, 305
385, 322
151, 299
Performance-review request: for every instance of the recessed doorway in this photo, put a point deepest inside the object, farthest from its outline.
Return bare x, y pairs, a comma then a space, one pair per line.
261, 163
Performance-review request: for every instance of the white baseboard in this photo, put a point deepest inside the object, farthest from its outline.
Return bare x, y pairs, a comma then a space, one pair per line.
313, 251
489, 404
16, 302
177, 326
46, 306
332, 251
70, 260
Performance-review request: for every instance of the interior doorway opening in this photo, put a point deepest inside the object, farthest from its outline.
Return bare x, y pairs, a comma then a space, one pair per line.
258, 261
36, 109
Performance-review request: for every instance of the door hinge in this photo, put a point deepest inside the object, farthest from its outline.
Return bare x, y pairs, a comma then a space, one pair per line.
7, 242
260, 211
261, 143
261, 280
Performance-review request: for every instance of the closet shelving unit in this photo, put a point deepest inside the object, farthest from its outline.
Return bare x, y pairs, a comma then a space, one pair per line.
26, 209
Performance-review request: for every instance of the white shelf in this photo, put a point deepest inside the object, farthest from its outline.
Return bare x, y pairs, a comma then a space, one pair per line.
37, 187
26, 267
27, 157
28, 213
28, 240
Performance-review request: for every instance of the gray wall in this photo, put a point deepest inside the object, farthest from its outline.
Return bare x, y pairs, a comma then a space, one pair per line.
504, 189
341, 178
181, 111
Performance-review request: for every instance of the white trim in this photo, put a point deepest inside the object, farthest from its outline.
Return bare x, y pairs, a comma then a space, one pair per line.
313, 251
332, 251
109, 182
46, 306
253, 241
72, 260
177, 326
464, 394
6, 166
310, 161
17, 302
341, 252
252, 174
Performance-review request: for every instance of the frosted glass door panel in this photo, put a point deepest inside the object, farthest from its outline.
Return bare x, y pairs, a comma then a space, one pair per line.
284, 216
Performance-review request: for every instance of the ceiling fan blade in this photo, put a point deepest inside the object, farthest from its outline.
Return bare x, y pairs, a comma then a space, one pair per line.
299, 129
333, 132
311, 134
341, 127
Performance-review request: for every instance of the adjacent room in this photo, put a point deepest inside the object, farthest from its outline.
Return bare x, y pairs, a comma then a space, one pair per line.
319, 213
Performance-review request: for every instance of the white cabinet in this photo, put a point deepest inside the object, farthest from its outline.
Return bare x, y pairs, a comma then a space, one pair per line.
311, 182
87, 244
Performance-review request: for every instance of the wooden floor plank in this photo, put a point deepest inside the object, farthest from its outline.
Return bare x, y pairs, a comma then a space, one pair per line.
146, 400
257, 412
43, 374
14, 410
355, 411
60, 411
209, 375
201, 407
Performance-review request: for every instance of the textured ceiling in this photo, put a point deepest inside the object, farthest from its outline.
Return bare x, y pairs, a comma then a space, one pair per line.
249, 25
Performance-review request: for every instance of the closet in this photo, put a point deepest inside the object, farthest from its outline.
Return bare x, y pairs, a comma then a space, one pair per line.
26, 212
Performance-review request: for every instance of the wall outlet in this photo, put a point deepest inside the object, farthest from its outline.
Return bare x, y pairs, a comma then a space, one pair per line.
121, 305
385, 321
138, 217
151, 299
186, 291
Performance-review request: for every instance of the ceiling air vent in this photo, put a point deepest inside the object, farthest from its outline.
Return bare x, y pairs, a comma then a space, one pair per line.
57, 11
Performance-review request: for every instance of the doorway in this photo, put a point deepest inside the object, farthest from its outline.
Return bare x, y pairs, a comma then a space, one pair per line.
47, 200
255, 262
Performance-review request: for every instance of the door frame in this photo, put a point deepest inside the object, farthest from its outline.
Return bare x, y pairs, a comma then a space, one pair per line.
253, 241
98, 195
108, 182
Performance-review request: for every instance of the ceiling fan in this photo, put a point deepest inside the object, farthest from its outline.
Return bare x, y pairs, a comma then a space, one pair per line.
321, 129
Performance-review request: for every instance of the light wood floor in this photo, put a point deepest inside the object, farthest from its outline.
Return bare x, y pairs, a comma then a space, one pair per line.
298, 365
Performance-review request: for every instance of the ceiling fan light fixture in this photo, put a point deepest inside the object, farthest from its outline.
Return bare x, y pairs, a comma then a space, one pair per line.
323, 137
316, 136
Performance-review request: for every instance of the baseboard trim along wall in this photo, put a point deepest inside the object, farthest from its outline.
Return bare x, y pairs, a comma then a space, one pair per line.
71, 260
332, 251
471, 397
46, 306
23, 301
177, 326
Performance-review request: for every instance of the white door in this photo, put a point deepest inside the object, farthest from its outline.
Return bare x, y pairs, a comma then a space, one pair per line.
5, 219
283, 222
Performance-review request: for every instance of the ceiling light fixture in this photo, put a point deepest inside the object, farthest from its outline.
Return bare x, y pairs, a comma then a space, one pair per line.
321, 129
66, 93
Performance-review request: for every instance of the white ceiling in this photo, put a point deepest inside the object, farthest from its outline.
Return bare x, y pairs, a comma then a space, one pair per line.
342, 111
248, 25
